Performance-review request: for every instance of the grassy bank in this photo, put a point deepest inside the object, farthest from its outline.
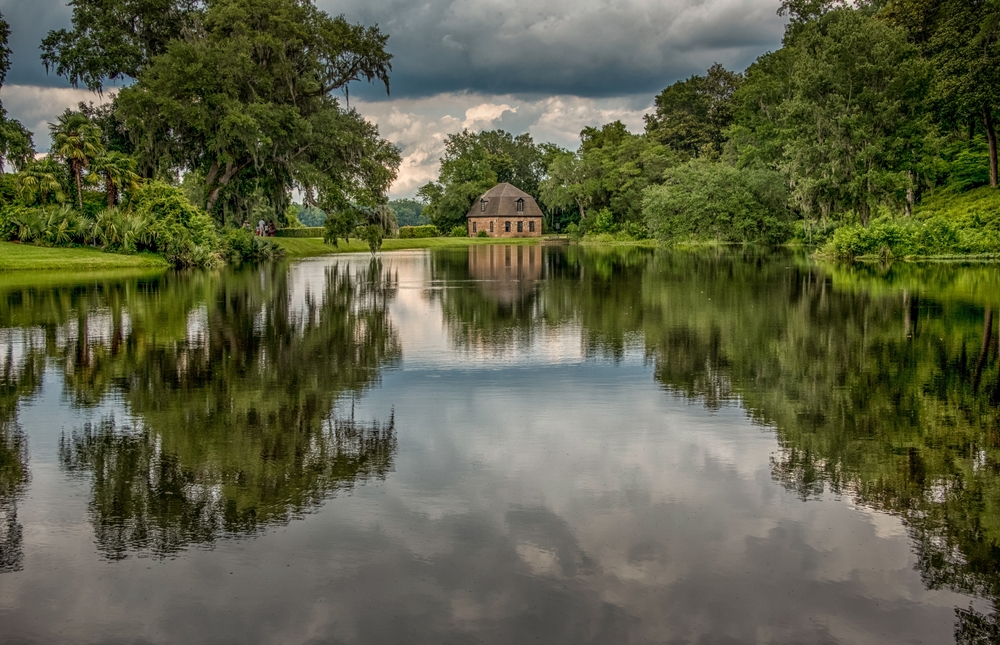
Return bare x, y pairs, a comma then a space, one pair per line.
27, 257
311, 247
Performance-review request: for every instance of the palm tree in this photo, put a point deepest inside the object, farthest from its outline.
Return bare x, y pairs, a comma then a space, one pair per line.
76, 140
43, 177
118, 171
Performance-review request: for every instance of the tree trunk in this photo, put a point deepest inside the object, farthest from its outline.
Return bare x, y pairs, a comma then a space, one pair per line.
213, 194
109, 190
991, 136
579, 204
79, 185
863, 213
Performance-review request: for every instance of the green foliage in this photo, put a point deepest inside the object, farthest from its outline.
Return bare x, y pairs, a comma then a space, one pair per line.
844, 101
77, 142
409, 212
372, 234
242, 245
410, 232
610, 171
309, 216
950, 223
305, 231
41, 182
700, 200
482, 234
459, 231
271, 121
183, 233
340, 225
48, 225
475, 162
114, 39
691, 116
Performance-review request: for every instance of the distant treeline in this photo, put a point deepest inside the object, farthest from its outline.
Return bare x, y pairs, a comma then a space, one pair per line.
866, 109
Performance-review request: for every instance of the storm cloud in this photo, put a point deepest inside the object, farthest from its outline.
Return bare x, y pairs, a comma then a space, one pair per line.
592, 48
548, 67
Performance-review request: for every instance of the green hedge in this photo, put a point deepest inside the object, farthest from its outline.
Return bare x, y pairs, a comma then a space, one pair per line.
411, 232
309, 231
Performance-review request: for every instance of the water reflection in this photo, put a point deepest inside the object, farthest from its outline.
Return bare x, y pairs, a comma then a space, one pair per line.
696, 472
151, 495
882, 386
231, 387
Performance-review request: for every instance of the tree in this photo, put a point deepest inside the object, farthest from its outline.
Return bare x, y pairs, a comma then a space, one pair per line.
475, 162
961, 39
76, 141
409, 212
246, 100
118, 172
691, 116
843, 100
41, 181
610, 170
116, 39
16, 145
701, 200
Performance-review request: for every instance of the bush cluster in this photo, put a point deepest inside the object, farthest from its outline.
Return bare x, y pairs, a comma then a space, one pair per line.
412, 232
948, 223
157, 218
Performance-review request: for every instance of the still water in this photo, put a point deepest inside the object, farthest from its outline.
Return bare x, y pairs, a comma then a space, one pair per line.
505, 444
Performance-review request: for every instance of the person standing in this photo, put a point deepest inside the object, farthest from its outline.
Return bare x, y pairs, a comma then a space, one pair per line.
260, 228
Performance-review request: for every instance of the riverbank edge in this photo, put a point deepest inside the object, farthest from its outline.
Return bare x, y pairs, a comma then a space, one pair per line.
28, 257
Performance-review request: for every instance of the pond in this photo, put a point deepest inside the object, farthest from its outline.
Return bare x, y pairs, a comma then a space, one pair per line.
502, 444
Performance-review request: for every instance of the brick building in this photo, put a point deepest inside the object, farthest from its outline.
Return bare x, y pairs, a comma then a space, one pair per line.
505, 211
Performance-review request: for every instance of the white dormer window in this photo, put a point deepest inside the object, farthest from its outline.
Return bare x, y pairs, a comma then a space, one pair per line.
520, 205
482, 205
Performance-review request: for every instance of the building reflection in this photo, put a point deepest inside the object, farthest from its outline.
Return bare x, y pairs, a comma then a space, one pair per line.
506, 273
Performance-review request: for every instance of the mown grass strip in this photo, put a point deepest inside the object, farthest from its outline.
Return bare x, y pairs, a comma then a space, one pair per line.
25, 257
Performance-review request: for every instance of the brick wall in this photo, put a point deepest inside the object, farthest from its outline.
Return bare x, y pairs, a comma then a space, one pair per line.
499, 228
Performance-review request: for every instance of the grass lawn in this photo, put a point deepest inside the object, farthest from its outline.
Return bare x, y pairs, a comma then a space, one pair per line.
25, 256
304, 247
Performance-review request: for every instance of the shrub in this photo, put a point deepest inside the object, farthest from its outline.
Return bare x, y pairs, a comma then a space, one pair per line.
482, 234
183, 233
306, 231
7, 226
242, 245
48, 225
411, 232
459, 231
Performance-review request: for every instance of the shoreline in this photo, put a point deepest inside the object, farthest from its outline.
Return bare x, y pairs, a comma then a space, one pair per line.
15, 257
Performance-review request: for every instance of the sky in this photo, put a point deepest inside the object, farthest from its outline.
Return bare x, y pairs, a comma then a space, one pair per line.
547, 67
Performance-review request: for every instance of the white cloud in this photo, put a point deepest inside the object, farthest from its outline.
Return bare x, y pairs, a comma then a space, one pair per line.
420, 125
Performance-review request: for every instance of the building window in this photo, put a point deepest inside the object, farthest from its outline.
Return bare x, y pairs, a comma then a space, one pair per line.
520, 227
520, 205
482, 205
491, 227
531, 226
506, 227
473, 227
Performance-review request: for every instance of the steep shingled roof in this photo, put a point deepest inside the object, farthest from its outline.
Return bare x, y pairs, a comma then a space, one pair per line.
501, 201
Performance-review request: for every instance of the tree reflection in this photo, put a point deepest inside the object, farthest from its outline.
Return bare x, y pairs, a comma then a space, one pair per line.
150, 499
882, 383
231, 380
20, 377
